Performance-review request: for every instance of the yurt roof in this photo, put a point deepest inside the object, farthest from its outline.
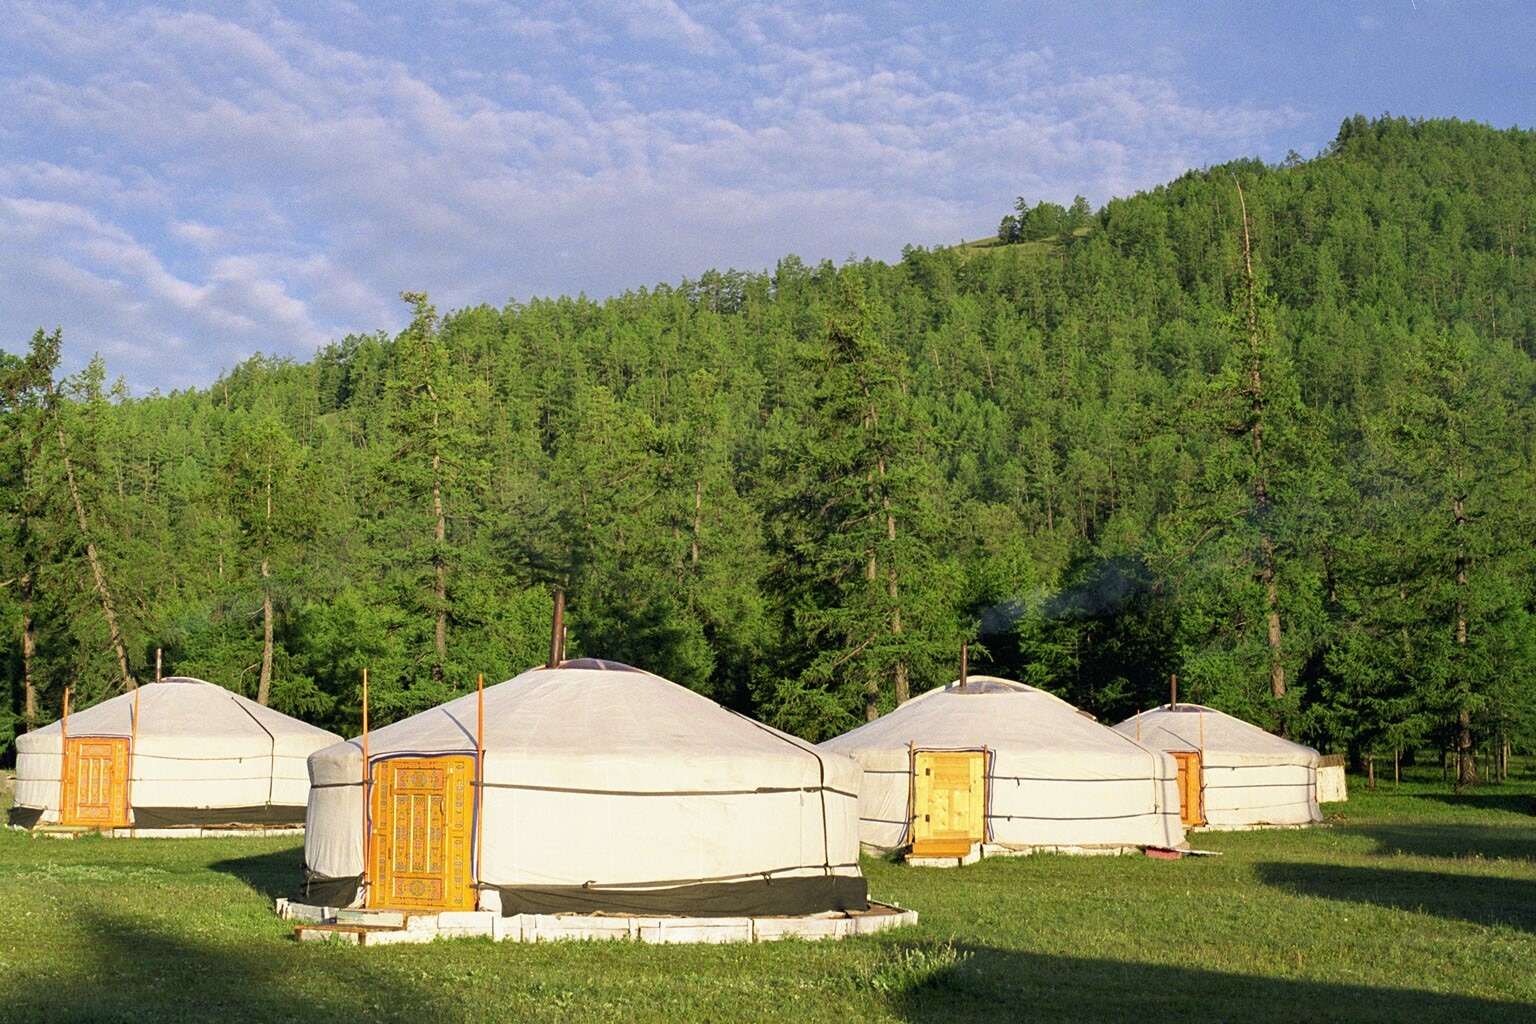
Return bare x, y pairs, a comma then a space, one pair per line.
181, 706
1196, 727
983, 711
606, 715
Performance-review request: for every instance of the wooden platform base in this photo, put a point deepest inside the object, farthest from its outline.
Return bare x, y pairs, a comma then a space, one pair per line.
378, 928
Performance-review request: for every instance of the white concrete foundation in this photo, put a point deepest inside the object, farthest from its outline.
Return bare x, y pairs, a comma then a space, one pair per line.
980, 851
383, 927
70, 832
1254, 827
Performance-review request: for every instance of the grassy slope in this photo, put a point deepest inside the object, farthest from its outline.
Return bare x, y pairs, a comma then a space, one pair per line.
1414, 905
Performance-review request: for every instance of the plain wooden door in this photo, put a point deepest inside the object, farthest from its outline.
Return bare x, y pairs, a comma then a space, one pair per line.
949, 802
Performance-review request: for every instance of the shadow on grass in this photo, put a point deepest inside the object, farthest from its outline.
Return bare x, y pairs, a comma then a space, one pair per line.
993, 984
1450, 840
1511, 803
272, 874
1475, 898
134, 970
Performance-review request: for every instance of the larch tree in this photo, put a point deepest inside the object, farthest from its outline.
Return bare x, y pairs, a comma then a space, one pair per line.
854, 530
1449, 444
64, 453
264, 491
434, 461
1227, 547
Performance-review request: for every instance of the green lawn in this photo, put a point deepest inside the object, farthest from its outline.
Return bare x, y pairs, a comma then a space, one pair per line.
1415, 905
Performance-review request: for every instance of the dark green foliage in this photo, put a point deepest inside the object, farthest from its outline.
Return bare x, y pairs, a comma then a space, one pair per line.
1164, 438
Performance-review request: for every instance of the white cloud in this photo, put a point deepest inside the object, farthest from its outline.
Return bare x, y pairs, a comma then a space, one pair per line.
664, 21
205, 237
215, 184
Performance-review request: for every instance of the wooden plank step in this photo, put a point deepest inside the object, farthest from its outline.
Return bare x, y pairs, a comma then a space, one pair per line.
941, 848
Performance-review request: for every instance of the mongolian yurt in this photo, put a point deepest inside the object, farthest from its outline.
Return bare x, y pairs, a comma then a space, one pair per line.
1231, 774
993, 762
603, 789
179, 755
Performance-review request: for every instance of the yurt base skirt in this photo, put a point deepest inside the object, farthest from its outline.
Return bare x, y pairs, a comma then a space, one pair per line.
262, 816
772, 897
780, 897
270, 816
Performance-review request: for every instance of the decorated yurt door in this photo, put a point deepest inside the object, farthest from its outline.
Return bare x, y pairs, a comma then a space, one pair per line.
949, 802
1191, 797
95, 782
421, 842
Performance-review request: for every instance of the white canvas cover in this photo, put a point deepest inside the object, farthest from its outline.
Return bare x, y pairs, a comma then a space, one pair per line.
198, 747
1055, 777
598, 775
1251, 777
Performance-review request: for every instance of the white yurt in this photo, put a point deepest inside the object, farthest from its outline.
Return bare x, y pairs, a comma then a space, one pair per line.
1231, 774
181, 755
994, 762
606, 789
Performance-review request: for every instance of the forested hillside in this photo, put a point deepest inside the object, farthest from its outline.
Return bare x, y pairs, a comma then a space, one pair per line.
1267, 428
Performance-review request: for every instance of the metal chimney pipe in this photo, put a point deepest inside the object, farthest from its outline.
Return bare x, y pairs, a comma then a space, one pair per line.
965, 658
557, 631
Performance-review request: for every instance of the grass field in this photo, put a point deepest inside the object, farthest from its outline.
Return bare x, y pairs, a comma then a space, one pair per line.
1413, 905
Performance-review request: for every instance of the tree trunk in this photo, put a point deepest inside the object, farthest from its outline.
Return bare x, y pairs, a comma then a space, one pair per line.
698, 518
102, 590
264, 688
1271, 601
893, 591
439, 552
1466, 764
903, 680
28, 653
1255, 388
440, 573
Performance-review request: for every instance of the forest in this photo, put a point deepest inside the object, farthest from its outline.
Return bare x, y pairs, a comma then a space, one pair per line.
1266, 428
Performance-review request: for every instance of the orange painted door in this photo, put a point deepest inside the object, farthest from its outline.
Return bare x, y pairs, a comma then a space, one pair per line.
949, 802
95, 782
421, 842
1191, 796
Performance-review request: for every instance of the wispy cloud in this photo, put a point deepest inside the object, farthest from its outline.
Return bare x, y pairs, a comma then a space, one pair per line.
182, 189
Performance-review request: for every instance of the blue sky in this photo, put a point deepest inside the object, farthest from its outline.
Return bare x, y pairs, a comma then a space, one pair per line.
183, 187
